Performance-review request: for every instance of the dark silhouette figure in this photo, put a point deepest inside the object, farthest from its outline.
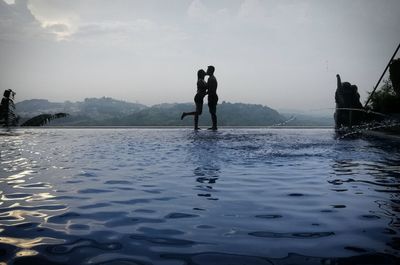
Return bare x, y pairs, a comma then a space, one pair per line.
212, 96
347, 102
9, 118
7, 109
395, 75
198, 98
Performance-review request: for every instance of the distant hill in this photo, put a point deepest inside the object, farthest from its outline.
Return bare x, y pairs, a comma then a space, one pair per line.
301, 119
38, 106
91, 109
229, 114
110, 112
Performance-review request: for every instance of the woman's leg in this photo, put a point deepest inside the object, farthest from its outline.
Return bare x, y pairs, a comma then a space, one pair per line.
184, 114
199, 110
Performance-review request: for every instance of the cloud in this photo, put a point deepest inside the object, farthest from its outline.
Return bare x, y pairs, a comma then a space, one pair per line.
251, 9
197, 10
65, 47
73, 20
58, 27
278, 15
21, 20
57, 17
17, 23
138, 36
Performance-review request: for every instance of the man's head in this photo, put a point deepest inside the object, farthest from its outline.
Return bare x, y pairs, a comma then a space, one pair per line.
210, 70
346, 85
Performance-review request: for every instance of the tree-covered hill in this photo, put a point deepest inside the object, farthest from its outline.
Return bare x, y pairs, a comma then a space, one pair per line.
229, 114
110, 112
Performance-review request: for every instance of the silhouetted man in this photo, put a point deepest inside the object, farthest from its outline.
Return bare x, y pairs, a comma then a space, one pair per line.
212, 96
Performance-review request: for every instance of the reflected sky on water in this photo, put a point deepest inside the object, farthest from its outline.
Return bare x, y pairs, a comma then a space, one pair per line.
174, 196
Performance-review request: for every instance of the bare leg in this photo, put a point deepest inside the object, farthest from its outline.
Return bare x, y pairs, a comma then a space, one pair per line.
196, 118
213, 111
184, 114
196, 114
196, 121
214, 121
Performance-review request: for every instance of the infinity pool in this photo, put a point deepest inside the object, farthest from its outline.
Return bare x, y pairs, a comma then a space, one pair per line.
174, 196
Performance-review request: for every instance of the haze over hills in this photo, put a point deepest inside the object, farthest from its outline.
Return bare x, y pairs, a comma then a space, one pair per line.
94, 108
106, 111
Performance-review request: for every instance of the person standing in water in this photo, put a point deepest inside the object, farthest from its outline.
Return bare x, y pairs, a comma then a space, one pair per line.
198, 99
212, 96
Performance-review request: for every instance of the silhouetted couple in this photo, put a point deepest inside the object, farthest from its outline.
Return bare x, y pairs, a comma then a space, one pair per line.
204, 88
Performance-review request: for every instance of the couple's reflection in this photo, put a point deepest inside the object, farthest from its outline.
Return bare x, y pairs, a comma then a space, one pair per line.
204, 155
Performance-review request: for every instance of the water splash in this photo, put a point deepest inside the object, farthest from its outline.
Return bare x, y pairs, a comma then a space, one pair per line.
388, 122
365, 111
346, 132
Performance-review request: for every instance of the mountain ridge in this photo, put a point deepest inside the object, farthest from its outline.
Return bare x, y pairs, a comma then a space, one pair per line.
106, 111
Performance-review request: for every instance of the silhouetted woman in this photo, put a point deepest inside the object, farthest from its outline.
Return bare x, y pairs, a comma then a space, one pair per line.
198, 99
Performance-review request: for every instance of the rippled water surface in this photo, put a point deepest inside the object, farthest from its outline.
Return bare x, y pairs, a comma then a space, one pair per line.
173, 196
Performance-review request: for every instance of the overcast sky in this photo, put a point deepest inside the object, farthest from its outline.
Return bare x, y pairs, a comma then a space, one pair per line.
284, 54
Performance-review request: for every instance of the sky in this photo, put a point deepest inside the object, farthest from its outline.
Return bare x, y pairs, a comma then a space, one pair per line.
283, 54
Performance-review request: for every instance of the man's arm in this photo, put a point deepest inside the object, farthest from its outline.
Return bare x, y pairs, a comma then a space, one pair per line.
338, 96
339, 82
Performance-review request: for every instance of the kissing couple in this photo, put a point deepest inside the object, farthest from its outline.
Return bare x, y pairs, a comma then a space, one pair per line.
205, 88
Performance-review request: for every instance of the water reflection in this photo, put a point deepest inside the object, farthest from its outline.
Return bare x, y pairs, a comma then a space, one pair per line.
25, 204
177, 197
206, 163
376, 176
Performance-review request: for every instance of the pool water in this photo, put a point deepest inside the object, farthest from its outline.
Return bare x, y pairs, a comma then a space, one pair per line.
175, 196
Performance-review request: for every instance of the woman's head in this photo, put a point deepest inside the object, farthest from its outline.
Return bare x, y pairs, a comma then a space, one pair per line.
201, 74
